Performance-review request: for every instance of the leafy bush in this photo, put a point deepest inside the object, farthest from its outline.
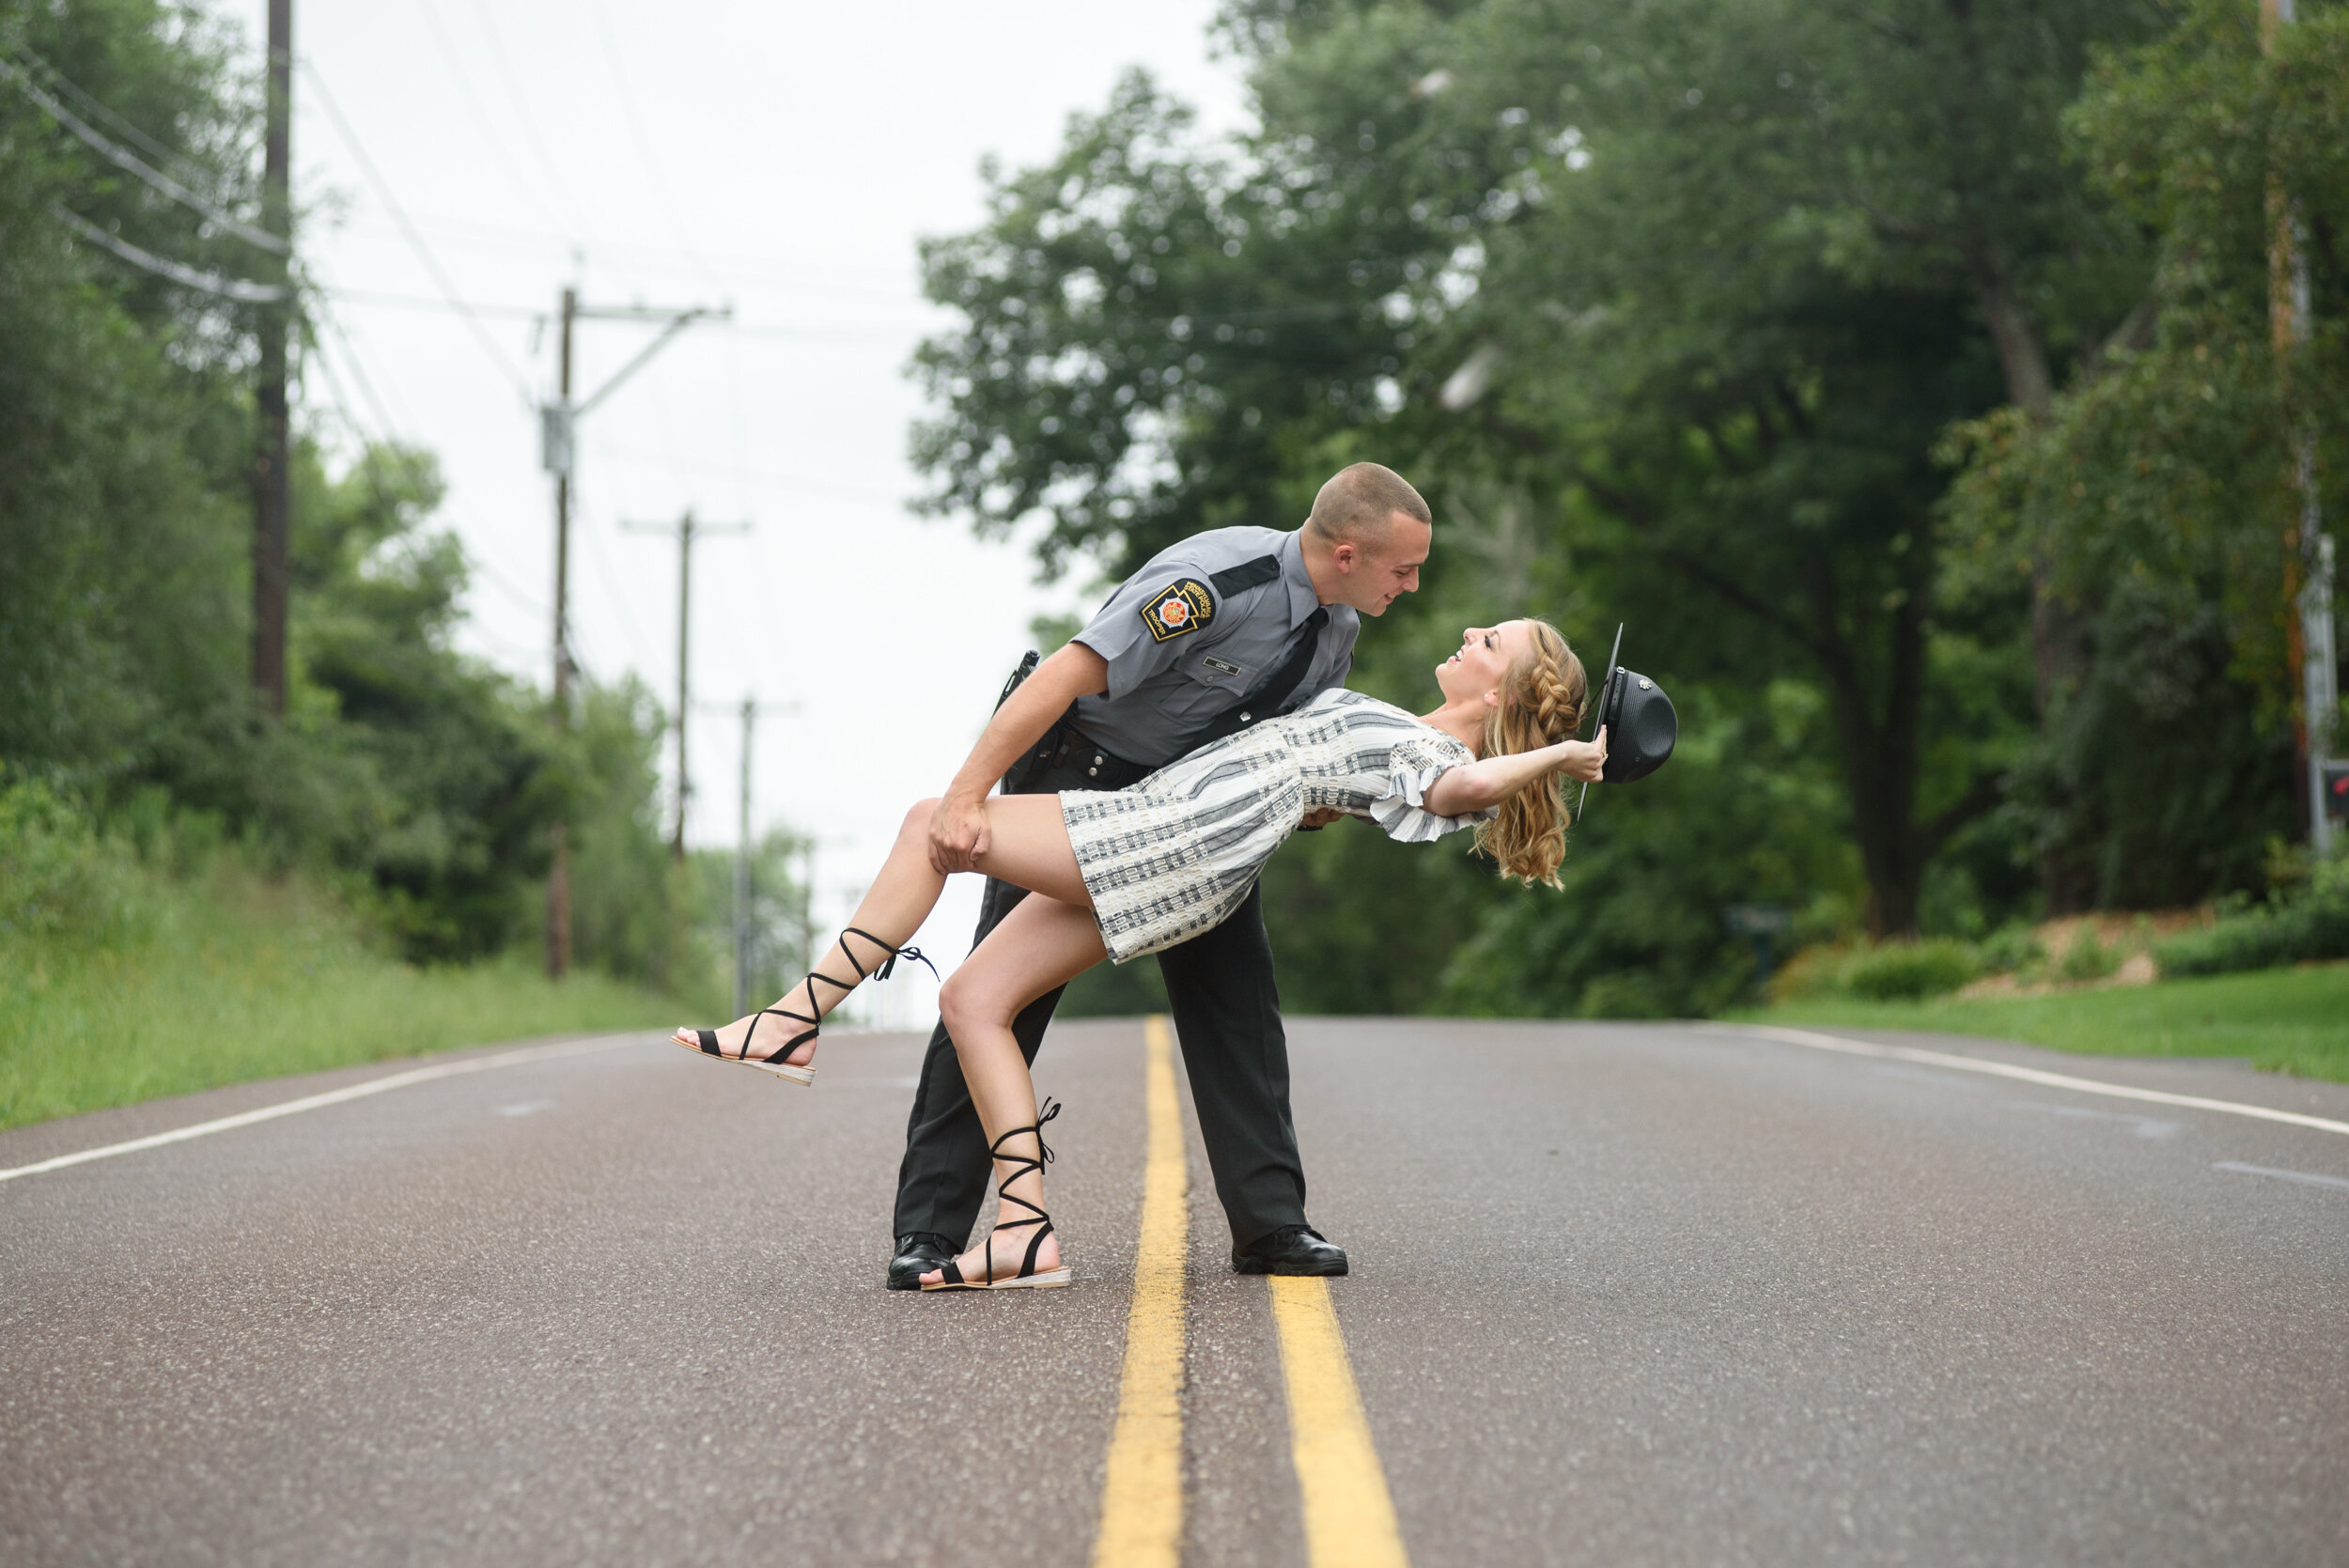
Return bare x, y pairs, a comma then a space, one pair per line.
2010, 950
2086, 958
57, 876
2314, 925
1905, 972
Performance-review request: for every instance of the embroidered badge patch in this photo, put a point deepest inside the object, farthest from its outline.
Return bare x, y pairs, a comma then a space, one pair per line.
1182, 606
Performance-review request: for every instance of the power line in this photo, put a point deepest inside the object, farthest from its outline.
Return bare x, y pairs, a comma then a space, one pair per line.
358, 368
384, 435
505, 584
799, 273
807, 334
424, 251
620, 599
522, 112
211, 283
529, 313
123, 157
644, 141
325, 361
472, 102
334, 390
153, 148
419, 302
734, 408
757, 475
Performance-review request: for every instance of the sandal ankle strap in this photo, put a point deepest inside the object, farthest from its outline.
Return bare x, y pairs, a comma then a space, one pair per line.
889, 964
1023, 1164
815, 1023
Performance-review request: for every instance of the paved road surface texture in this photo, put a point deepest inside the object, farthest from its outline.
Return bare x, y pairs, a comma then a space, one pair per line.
1622, 1294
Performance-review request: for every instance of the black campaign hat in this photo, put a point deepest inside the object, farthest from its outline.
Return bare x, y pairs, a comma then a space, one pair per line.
1640, 726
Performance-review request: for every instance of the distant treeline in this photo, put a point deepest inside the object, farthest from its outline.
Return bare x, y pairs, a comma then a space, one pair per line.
1903, 375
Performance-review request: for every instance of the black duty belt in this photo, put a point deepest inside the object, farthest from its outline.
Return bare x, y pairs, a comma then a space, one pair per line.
1067, 746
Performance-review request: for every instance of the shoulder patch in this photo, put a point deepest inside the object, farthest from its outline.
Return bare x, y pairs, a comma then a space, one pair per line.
1178, 608
1248, 574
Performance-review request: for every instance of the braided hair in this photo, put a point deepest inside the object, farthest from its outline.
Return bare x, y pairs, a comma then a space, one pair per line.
1542, 699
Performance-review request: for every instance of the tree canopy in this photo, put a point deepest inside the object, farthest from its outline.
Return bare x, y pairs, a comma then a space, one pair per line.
1756, 325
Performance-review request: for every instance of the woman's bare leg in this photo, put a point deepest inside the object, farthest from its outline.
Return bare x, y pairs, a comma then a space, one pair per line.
1041, 944
1028, 848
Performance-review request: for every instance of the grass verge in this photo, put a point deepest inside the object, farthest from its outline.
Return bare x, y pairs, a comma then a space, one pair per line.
239, 979
2281, 1020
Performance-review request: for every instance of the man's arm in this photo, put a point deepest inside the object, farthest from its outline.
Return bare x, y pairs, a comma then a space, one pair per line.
958, 828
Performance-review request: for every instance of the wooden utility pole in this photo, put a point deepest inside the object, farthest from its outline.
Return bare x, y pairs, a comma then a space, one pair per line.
558, 427
2308, 554
272, 448
687, 530
749, 711
742, 871
557, 438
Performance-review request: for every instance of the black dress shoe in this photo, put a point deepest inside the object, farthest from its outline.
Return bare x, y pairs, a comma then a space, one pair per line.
918, 1252
1290, 1249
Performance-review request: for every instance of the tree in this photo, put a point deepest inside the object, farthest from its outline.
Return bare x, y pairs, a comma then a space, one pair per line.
2155, 496
123, 409
421, 779
1702, 285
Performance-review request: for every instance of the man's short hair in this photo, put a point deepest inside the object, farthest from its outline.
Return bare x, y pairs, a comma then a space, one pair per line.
1358, 503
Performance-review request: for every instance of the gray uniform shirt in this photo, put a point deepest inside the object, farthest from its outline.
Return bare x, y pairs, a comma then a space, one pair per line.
1201, 627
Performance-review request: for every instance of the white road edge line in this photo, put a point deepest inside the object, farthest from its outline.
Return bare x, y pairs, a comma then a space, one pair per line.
314, 1102
2303, 1177
2027, 1075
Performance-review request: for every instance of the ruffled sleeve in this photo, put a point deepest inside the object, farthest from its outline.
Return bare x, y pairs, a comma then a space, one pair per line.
1413, 768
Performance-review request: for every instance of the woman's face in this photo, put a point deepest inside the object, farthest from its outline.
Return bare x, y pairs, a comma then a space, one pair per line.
1484, 659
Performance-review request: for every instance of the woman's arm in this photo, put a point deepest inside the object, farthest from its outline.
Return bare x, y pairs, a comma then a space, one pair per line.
1478, 785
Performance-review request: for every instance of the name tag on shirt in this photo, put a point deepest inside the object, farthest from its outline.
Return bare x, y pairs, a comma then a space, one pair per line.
1212, 668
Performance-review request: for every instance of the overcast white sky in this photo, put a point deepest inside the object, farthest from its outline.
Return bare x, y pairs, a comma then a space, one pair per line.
782, 157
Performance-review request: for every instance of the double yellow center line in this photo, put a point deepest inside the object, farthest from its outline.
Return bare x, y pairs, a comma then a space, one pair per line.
1349, 1519
1141, 1498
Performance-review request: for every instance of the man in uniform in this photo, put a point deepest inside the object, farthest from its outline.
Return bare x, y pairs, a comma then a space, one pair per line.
1226, 628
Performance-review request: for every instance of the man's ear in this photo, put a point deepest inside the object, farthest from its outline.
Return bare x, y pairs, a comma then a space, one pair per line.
1346, 555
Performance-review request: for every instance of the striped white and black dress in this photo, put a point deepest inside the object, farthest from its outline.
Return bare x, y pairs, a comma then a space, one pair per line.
1175, 854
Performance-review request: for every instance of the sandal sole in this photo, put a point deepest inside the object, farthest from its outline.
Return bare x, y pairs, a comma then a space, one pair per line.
804, 1077
1048, 1280
1051, 1278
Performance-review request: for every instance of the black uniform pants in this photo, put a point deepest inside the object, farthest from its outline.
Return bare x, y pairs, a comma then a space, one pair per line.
1227, 1014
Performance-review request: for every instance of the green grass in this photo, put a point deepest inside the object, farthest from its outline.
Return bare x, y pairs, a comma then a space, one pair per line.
237, 979
2292, 1020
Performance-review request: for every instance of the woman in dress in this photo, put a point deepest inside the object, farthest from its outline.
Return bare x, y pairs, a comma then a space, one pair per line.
1128, 874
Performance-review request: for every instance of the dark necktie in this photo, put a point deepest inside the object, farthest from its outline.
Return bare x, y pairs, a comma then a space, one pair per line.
1267, 699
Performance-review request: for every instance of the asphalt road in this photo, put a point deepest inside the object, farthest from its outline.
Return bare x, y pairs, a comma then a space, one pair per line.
1622, 1294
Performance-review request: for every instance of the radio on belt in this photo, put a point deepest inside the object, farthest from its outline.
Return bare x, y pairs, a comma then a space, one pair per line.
1641, 724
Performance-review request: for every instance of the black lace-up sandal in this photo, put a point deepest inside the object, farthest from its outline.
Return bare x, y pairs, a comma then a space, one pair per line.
706, 1040
1027, 1277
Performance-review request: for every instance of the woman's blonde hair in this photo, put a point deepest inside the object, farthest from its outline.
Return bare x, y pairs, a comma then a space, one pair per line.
1541, 704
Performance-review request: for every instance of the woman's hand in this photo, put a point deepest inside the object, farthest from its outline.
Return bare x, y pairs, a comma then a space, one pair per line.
1582, 759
